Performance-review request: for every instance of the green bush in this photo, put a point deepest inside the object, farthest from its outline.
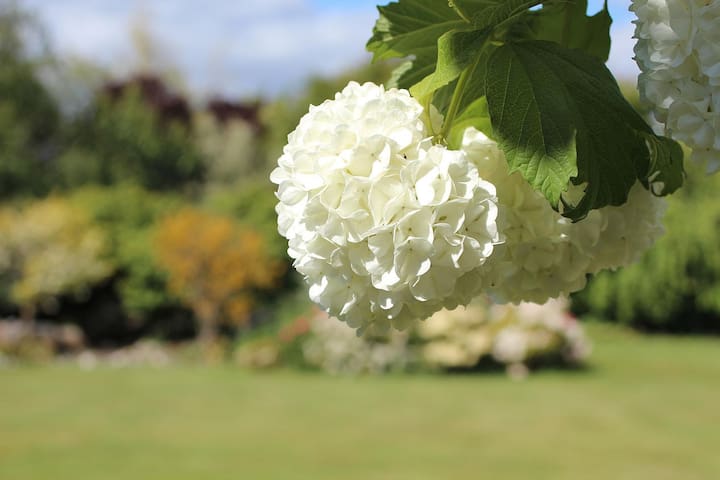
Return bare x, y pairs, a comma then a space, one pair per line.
128, 214
676, 285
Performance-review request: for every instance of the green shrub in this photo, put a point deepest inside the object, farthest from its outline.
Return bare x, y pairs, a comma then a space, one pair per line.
676, 285
128, 214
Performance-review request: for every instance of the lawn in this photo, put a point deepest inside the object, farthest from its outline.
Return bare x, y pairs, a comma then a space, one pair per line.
648, 408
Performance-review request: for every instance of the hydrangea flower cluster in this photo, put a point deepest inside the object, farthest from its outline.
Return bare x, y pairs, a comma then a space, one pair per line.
387, 228
382, 224
678, 52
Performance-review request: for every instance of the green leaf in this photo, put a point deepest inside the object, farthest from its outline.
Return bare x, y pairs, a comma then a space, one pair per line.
664, 176
441, 38
410, 73
457, 50
412, 28
493, 13
530, 119
567, 23
559, 116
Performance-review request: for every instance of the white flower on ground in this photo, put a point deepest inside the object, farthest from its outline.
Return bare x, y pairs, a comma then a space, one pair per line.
678, 52
512, 335
456, 338
335, 348
511, 345
384, 226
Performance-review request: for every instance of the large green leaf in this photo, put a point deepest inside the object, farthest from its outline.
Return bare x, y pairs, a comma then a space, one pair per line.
441, 39
560, 117
568, 24
462, 48
411, 28
530, 118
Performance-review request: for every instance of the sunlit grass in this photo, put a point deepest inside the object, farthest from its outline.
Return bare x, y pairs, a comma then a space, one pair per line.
647, 408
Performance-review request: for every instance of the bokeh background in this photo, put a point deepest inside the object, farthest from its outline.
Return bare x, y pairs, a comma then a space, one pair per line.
151, 325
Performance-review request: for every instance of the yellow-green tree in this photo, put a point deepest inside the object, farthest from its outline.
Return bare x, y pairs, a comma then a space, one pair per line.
48, 249
214, 266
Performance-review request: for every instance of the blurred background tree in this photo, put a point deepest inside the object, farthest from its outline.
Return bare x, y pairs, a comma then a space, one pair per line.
136, 131
29, 118
214, 267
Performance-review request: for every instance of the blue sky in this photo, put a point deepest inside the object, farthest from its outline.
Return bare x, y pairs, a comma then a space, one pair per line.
245, 47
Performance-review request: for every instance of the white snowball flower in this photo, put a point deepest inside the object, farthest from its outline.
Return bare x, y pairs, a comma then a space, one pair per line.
678, 52
381, 223
545, 255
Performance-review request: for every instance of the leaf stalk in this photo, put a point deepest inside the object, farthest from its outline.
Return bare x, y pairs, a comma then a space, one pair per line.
460, 12
456, 99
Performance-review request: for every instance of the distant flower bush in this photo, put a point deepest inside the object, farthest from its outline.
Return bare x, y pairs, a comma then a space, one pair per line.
517, 337
335, 348
512, 335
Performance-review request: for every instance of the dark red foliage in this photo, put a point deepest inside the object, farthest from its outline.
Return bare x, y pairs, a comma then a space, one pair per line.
225, 110
170, 106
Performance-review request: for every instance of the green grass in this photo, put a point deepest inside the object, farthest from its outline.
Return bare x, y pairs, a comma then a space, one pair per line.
649, 408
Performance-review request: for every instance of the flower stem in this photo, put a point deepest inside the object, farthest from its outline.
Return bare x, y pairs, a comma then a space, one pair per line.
455, 101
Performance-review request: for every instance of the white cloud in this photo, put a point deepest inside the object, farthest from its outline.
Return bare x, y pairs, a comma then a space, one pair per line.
248, 46
91, 32
253, 46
